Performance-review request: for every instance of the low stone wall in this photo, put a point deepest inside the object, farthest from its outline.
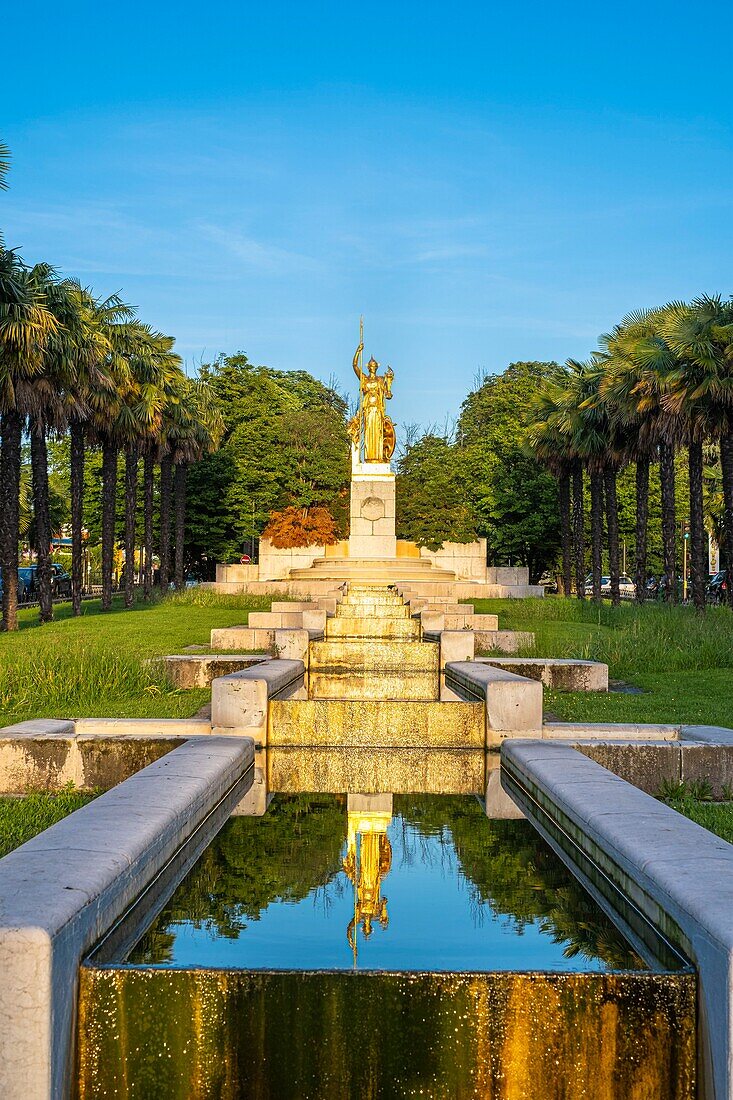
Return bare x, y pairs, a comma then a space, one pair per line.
197, 670
627, 847
62, 890
508, 641
240, 702
562, 673
513, 703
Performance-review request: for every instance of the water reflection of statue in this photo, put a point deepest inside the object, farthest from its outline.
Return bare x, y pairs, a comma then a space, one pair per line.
367, 861
371, 430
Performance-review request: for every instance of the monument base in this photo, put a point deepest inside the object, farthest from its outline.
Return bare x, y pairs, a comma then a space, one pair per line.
372, 514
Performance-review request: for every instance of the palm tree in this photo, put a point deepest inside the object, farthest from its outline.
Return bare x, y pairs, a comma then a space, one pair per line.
156, 372
4, 166
196, 429
634, 395
640, 361
97, 374
552, 448
701, 391
598, 437
26, 325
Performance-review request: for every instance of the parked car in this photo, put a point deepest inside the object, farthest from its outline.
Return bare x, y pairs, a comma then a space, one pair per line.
22, 592
625, 585
60, 581
717, 587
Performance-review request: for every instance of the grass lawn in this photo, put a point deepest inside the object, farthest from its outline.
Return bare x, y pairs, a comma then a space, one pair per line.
23, 818
94, 666
683, 662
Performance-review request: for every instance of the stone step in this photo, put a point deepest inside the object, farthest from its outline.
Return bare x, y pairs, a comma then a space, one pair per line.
367, 627
362, 609
376, 722
374, 655
346, 683
398, 771
388, 570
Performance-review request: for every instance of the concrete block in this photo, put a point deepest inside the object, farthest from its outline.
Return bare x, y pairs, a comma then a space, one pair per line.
239, 702
199, 669
243, 639
562, 674
327, 604
271, 620
645, 766
708, 763
456, 645
39, 727
513, 703
462, 620
142, 727
679, 875
485, 622
314, 621
499, 806
433, 622
508, 641
604, 731
53, 910
292, 645
712, 735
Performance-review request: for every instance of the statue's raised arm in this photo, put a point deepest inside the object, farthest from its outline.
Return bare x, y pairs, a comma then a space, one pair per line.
357, 368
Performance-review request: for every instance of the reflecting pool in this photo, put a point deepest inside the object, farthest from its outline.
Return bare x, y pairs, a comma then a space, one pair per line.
381, 882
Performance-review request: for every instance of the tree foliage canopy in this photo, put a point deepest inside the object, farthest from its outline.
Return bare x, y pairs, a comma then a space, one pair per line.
514, 500
432, 505
285, 446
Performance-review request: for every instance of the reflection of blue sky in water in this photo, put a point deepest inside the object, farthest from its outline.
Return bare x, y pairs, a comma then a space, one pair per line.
437, 918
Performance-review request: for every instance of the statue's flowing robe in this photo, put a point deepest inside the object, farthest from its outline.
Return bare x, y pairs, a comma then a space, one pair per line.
373, 419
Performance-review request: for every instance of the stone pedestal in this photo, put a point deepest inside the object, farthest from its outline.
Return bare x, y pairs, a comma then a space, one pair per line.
372, 511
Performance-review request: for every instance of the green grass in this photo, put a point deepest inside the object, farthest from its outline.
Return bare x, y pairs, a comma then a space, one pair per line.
94, 666
682, 661
23, 818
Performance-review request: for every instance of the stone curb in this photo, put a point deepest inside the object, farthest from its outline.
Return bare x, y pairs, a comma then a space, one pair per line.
62, 890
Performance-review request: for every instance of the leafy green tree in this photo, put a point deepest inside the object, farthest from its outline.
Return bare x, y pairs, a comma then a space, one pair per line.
432, 503
513, 498
284, 445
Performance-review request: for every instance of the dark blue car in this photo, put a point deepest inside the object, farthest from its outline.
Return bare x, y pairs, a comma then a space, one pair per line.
22, 590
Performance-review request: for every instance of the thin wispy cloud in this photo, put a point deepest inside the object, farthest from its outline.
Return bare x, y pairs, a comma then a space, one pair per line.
258, 255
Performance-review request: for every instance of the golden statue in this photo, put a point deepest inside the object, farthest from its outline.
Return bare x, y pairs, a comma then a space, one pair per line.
371, 430
368, 859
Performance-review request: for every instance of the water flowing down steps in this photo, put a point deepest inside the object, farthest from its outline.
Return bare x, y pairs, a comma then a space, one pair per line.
374, 682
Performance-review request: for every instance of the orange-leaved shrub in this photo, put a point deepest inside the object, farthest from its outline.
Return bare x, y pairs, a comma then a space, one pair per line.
301, 527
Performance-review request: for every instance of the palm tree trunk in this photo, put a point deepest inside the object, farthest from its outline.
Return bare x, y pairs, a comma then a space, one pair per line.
77, 514
109, 507
148, 471
578, 532
609, 477
642, 524
180, 494
669, 519
596, 532
42, 517
566, 533
131, 461
726, 463
698, 570
11, 431
166, 475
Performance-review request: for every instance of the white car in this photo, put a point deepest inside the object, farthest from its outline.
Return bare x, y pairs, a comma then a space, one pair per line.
626, 586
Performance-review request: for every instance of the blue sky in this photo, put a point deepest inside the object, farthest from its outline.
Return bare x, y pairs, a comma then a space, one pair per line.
484, 182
